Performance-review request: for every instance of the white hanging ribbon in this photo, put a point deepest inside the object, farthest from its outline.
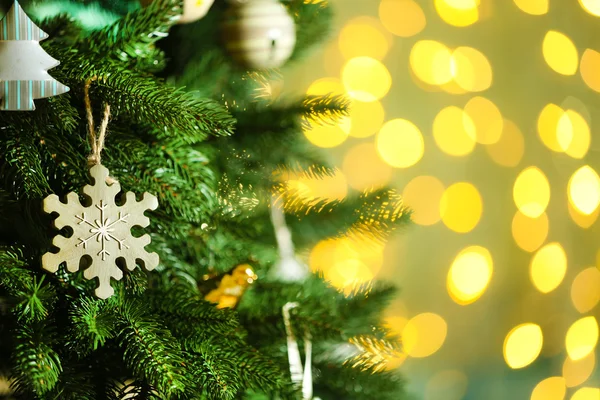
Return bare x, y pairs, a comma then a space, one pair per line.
300, 374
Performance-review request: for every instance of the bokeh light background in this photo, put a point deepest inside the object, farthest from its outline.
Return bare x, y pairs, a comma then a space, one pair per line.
484, 114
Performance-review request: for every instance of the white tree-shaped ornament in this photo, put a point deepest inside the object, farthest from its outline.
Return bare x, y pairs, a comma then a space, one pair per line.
24, 64
101, 231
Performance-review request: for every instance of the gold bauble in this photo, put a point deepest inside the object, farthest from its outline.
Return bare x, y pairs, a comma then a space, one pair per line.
259, 34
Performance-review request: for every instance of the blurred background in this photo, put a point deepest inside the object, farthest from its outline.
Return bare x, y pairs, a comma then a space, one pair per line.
482, 113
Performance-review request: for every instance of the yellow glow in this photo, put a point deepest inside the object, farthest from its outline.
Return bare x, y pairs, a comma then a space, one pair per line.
523, 345
487, 120
328, 136
509, 150
403, 18
329, 187
324, 86
582, 338
590, 65
461, 207
548, 267
584, 190
531, 192
363, 36
366, 118
585, 290
346, 261
560, 53
471, 69
548, 126
583, 220
424, 194
533, 7
470, 275
424, 334
577, 372
447, 385
400, 143
458, 12
586, 393
573, 134
366, 79
550, 389
529, 233
454, 131
364, 168
431, 62
591, 6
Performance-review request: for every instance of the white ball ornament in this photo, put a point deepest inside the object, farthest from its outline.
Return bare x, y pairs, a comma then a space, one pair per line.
259, 34
193, 10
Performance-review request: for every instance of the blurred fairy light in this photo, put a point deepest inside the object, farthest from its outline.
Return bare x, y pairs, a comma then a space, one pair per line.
523, 345
577, 372
366, 79
589, 66
547, 126
573, 134
486, 118
403, 18
470, 275
454, 131
461, 207
366, 118
531, 192
364, 37
560, 53
424, 334
533, 7
400, 143
328, 136
364, 169
585, 290
586, 393
471, 69
424, 194
552, 388
548, 267
345, 262
584, 190
585, 221
447, 385
591, 6
509, 149
529, 233
333, 187
431, 62
458, 12
325, 86
582, 338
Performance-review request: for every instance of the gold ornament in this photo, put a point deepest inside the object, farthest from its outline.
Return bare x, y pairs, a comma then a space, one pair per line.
232, 287
259, 34
193, 10
101, 231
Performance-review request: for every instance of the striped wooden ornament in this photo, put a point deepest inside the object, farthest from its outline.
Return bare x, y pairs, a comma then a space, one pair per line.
24, 64
259, 34
193, 10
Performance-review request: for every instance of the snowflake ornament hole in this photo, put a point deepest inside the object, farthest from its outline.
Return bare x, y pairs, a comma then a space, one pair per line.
101, 229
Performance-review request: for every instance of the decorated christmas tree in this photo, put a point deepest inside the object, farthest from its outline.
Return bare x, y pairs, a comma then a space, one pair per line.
196, 288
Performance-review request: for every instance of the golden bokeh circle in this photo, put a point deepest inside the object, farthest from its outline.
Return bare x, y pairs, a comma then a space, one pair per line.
470, 275
364, 169
560, 53
530, 233
403, 18
461, 207
400, 143
454, 132
424, 194
523, 345
424, 334
366, 79
531, 192
548, 267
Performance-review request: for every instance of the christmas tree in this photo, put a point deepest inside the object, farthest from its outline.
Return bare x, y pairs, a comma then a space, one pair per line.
217, 155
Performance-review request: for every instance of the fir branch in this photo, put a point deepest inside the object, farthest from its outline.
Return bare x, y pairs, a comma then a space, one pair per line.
131, 37
327, 109
37, 366
93, 323
313, 24
33, 300
150, 350
176, 114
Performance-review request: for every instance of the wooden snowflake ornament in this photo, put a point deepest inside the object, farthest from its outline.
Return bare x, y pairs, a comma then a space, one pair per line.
101, 231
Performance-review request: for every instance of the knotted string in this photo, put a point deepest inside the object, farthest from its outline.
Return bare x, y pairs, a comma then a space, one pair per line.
96, 141
300, 374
